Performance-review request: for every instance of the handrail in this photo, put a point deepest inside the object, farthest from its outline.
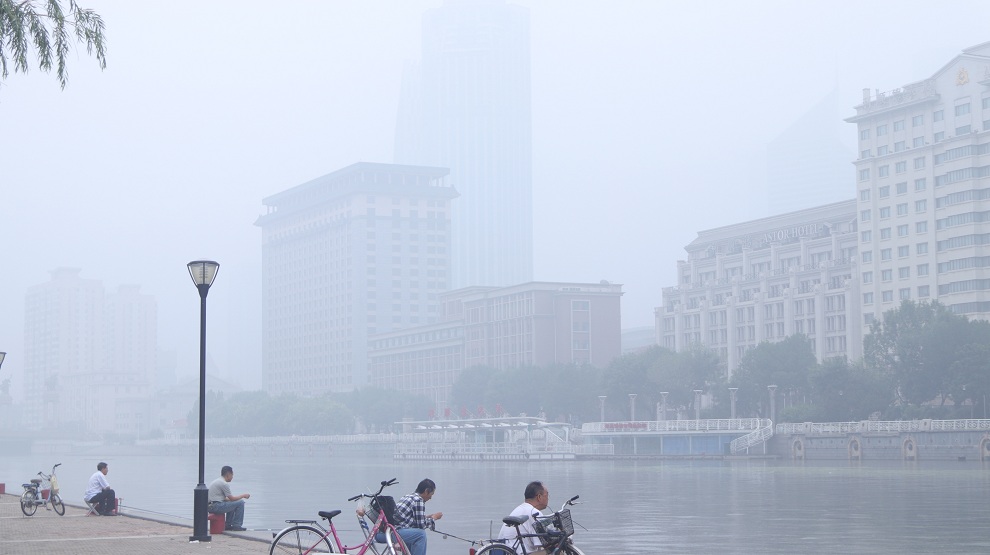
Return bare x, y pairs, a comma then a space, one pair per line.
877, 426
753, 438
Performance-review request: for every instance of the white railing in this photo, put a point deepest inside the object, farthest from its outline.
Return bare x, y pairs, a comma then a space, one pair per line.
892, 426
655, 426
422, 448
751, 439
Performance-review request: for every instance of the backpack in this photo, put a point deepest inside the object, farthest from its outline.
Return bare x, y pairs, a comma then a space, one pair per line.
385, 504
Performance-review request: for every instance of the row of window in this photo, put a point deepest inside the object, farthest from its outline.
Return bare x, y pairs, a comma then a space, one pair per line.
899, 167
920, 207
903, 294
903, 230
903, 251
904, 272
919, 120
900, 188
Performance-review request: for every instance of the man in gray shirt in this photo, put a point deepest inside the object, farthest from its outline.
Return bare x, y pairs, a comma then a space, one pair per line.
222, 501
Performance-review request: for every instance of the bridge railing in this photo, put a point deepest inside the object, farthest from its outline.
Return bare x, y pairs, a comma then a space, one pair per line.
892, 426
751, 439
703, 425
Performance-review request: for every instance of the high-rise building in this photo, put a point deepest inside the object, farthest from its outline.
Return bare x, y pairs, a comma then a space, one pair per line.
466, 107
360, 251
808, 163
89, 357
922, 190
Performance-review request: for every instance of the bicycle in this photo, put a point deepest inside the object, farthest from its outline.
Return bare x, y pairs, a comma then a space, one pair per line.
34, 494
555, 542
307, 537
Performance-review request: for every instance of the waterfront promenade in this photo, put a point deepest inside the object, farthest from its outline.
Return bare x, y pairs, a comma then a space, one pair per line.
78, 534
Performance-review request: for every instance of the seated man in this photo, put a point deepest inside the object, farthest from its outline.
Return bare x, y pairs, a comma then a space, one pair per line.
222, 501
99, 493
537, 499
411, 518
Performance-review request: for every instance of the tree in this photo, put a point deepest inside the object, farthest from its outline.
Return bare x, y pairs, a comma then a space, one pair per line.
786, 364
25, 25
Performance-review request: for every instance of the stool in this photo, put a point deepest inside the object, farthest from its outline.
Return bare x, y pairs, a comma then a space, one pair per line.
92, 508
217, 522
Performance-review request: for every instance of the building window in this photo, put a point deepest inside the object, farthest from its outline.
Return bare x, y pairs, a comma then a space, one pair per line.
917, 121
884, 212
882, 150
899, 125
867, 277
921, 227
864, 174
883, 171
867, 256
864, 215
923, 291
922, 270
902, 209
864, 153
939, 115
864, 195
881, 130
867, 298
904, 294
900, 167
920, 206
899, 146
920, 184
885, 254
884, 191
940, 136
886, 275
921, 248
902, 230
866, 236
887, 296
919, 163
885, 233
864, 134
902, 188
964, 130
918, 142
986, 103
962, 109
904, 273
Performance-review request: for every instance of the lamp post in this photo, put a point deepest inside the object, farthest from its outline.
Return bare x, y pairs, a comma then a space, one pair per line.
601, 407
732, 402
663, 404
203, 272
697, 404
632, 407
773, 401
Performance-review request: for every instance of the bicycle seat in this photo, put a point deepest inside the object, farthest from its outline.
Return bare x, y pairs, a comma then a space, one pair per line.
515, 520
35, 480
329, 514
29, 486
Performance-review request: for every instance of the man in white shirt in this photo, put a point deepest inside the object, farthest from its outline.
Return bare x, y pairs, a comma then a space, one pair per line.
99, 493
537, 499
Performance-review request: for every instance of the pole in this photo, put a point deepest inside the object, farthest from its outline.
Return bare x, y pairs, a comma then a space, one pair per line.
601, 407
732, 402
201, 493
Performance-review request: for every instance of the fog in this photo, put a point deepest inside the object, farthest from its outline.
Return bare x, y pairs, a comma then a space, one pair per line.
650, 123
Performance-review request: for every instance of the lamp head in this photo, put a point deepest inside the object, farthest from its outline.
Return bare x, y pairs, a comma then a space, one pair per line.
3, 355
203, 272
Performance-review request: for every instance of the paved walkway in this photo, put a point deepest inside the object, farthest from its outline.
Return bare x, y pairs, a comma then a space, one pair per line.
78, 534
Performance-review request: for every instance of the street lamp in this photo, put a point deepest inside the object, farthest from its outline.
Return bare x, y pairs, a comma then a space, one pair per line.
3, 355
697, 404
203, 272
601, 407
663, 404
632, 407
732, 402
773, 401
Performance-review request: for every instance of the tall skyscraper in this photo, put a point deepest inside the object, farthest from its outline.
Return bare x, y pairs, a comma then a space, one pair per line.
467, 107
360, 251
922, 189
808, 163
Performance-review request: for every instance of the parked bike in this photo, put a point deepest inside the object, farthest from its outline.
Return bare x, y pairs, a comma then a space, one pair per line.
36, 494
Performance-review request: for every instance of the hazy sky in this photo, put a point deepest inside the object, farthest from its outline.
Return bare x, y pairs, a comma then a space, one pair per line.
650, 123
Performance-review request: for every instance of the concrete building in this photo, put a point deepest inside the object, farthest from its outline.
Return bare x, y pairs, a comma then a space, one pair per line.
530, 324
923, 190
767, 279
360, 251
90, 357
466, 107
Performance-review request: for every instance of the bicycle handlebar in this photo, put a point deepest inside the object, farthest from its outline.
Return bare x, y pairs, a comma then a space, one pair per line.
385, 484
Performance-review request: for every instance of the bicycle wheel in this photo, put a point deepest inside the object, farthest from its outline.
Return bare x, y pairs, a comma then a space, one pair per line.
569, 549
300, 540
395, 543
57, 504
27, 503
495, 549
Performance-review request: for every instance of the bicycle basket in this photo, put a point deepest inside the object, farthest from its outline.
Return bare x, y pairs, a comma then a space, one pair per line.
54, 482
562, 521
385, 504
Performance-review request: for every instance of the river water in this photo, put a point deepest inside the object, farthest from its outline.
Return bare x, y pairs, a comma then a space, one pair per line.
630, 507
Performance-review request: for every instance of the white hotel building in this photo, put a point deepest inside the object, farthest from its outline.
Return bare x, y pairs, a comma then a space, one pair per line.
923, 190
767, 279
